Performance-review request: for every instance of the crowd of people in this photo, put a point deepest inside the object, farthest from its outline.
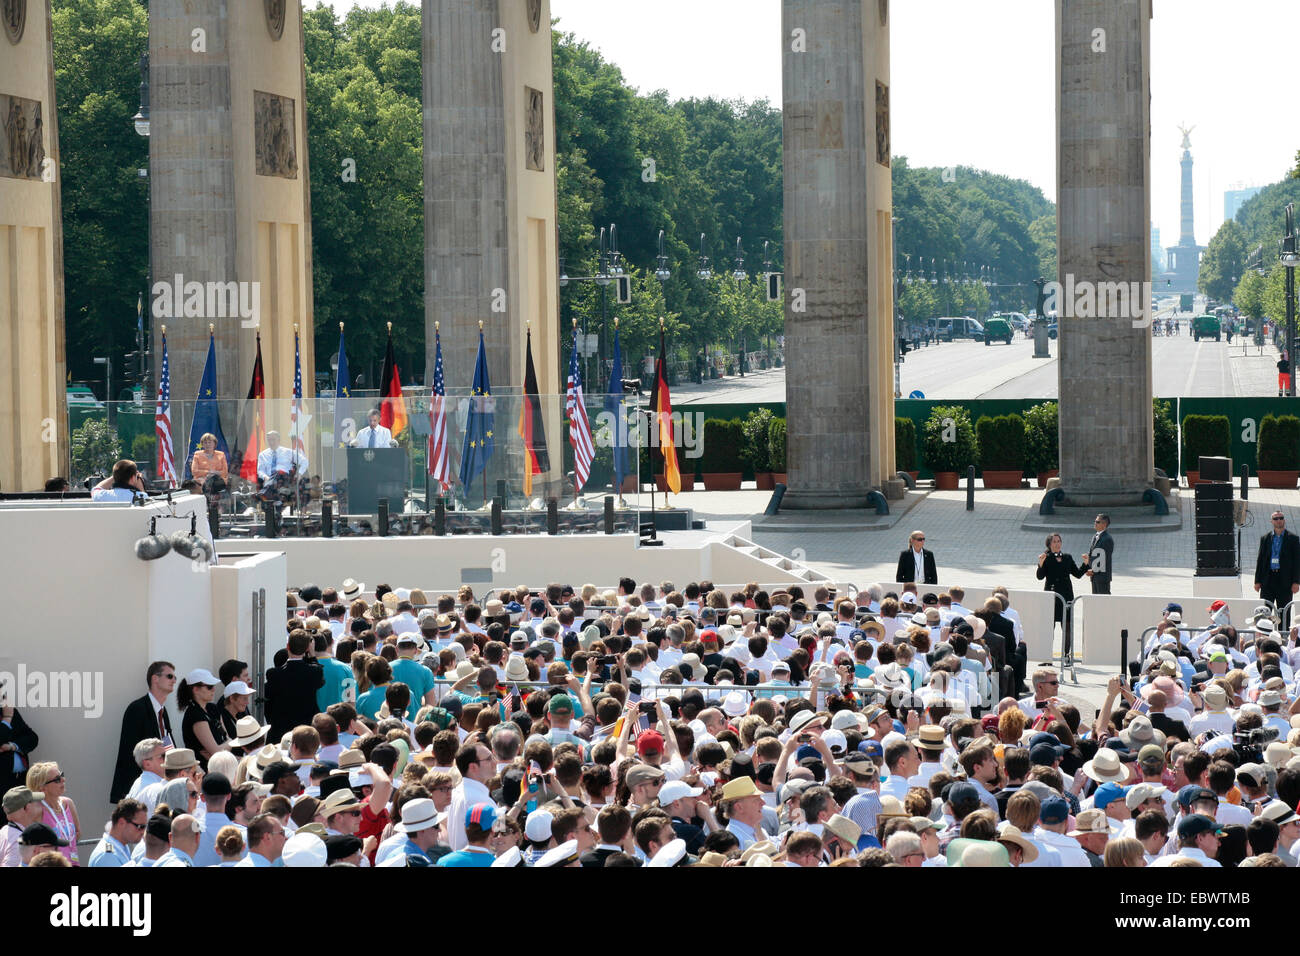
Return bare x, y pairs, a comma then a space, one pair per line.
663, 726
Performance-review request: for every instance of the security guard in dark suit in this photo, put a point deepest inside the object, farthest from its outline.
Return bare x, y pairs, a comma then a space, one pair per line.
1098, 557
1277, 568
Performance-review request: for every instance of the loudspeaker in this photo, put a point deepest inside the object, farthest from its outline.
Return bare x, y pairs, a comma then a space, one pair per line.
1215, 469
1212, 491
1214, 560
1215, 540
1214, 524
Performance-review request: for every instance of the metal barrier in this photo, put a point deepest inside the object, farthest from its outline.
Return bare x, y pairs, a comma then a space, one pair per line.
1097, 620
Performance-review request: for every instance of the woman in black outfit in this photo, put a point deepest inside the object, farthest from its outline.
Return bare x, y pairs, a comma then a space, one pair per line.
201, 727
1055, 568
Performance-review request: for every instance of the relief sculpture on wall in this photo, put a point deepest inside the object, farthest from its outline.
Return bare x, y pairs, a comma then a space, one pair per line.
14, 14
22, 138
274, 141
534, 130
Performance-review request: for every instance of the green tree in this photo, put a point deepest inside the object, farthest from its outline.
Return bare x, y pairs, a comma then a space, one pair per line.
97, 48
95, 448
1249, 294
1223, 262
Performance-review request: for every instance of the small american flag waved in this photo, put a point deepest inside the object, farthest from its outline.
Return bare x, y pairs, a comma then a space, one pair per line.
439, 465
579, 428
162, 422
295, 427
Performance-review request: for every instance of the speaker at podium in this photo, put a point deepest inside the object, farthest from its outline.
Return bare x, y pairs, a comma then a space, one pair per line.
375, 473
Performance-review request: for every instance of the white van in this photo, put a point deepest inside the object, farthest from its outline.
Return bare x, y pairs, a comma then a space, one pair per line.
951, 328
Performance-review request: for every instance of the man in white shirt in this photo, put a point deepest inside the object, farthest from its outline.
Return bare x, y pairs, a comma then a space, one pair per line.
374, 435
1216, 715
149, 755
277, 460
1051, 831
1198, 839
477, 766
125, 829
125, 484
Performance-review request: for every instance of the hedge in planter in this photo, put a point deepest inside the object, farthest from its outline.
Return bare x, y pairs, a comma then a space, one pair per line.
754, 452
1279, 451
1204, 436
949, 440
1001, 441
723, 444
1042, 438
1165, 434
776, 446
904, 445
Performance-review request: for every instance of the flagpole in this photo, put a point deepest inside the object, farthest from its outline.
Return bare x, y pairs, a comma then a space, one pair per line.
334, 454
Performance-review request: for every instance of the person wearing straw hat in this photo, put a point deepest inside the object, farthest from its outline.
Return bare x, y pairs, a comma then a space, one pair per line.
743, 802
1020, 849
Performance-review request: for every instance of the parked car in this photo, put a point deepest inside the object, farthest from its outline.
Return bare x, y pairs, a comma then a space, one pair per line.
998, 330
1019, 321
951, 328
80, 396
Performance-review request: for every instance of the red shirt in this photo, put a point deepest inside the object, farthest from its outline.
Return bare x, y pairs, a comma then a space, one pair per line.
372, 825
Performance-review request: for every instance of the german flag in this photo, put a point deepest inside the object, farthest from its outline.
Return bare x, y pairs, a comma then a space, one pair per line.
662, 404
392, 409
257, 427
536, 460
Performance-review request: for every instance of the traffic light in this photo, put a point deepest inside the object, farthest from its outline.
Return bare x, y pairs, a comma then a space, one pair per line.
773, 286
624, 290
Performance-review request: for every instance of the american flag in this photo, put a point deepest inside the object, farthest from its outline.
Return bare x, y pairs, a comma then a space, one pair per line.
295, 426
162, 422
579, 428
439, 464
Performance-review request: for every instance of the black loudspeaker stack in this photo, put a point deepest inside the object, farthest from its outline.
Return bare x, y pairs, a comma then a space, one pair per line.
1216, 540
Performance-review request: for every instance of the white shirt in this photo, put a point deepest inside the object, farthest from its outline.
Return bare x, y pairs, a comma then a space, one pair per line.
279, 459
1066, 847
918, 559
1232, 813
1219, 720
114, 494
463, 797
1190, 853
383, 437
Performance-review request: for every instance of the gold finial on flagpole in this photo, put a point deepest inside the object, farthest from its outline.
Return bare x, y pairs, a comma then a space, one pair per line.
480, 325
340, 326
295, 328
211, 328
616, 322
164, 330
661, 323
390, 328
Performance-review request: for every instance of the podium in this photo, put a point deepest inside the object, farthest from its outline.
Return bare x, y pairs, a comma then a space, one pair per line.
375, 473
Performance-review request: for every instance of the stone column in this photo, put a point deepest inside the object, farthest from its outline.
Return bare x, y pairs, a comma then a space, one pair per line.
838, 269
229, 199
490, 204
33, 396
1103, 218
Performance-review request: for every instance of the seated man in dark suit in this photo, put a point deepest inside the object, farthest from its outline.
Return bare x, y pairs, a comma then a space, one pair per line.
291, 688
143, 718
916, 560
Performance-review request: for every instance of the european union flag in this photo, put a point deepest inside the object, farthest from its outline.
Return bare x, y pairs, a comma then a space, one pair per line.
614, 405
207, 418
342, 392
480, 427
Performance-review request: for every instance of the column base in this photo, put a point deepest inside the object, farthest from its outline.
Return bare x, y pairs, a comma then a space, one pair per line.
824, 500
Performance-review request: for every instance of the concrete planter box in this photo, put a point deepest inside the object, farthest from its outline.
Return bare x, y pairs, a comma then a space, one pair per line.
945, 481
1002, 479
722, 481
1278, 479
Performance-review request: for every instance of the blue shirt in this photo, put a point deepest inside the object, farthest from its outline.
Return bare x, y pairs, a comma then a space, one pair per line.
468, 857
109, 852
255, 860
338, 677
744, 833
1276, 561
368, 704
417, 677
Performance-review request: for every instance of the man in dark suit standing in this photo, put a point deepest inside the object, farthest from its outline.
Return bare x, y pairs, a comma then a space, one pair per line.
143, 718
17, 740
916, 563
291, 688
1277, 569
1097, 560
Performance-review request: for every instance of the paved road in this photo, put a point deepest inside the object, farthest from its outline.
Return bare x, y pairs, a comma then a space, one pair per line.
958, 370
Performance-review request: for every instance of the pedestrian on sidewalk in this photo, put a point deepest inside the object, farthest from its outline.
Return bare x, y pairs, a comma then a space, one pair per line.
1284, 375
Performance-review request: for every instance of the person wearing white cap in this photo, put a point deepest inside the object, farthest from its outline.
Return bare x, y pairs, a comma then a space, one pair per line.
537, 830
566, 854
304, 850
670, 854
201, 727
682, 804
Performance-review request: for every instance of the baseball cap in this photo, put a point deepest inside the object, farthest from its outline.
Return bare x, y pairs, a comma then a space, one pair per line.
1151, 754
538, 826
675, 790
643, 774
560, 704
482, 814
1191, 793
1107, 793
40, 834
1140, 793
1054, 810
1195, 824
18, 797
836, 741
216, 785
650, 741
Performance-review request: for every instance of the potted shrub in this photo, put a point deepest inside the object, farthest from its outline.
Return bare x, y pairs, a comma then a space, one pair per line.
754, 453
1001, 441
1165, 434
1279, 451
1042, 442
1203, 436
905, 446
776, 452
949, 444
720, 463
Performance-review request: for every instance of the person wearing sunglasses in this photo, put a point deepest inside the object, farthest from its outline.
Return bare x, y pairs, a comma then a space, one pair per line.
125, 829
916, 562
60, 812
1277, 567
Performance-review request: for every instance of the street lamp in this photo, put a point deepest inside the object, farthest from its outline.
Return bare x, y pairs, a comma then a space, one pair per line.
1290, 259
704, 270
107, 362
662, 272
738, 273
141, 123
